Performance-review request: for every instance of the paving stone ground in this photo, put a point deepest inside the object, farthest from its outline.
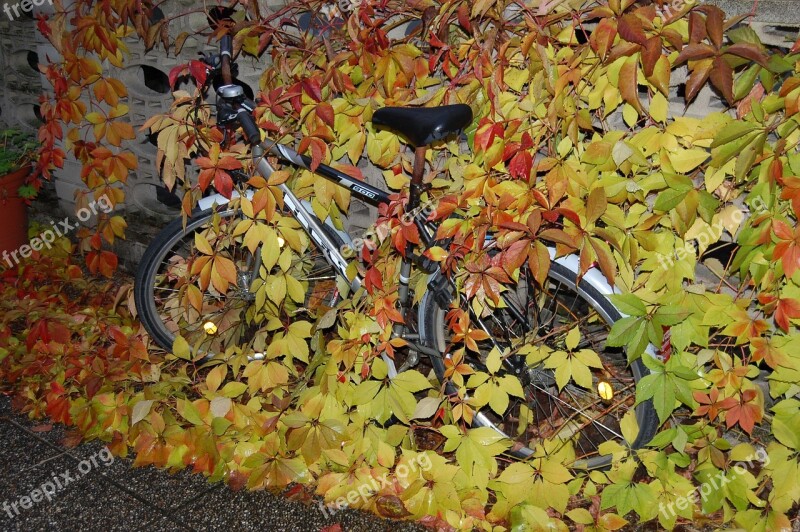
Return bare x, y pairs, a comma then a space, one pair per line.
91, 490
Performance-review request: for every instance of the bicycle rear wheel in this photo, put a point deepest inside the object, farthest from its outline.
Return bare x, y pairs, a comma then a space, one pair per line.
170, 301
571, 413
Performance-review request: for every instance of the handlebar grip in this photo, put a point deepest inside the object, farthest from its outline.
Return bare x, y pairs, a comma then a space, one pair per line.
251, 131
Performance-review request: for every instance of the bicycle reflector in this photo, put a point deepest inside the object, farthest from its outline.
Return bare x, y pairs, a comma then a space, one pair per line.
210, 328
605, 390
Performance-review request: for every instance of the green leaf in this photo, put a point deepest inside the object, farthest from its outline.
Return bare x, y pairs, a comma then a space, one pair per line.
733, 131
669, 199
628, 304
189, 412
624, 330
786, 423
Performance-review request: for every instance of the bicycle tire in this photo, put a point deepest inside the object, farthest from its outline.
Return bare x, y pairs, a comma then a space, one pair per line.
151, 308
434, 334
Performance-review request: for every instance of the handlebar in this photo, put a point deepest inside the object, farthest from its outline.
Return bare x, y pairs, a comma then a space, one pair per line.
252, 133
241, 113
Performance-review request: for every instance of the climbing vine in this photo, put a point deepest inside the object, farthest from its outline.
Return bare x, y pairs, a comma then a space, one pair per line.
577, 143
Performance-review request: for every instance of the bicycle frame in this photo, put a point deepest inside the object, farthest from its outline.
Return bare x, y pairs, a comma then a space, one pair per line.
373, 196
304, 215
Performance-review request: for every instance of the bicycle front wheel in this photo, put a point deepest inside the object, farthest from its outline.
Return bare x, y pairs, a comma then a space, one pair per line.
542, 316
172, 297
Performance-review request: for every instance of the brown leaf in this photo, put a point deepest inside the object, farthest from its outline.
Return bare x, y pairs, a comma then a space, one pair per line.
748, 51
623, 49
673, 38
628, 83
391, 506
715, 18
72, 439
695, 52
596, 204
697, 27
630, 28
722, 78
45, 427
651, 52
698, 78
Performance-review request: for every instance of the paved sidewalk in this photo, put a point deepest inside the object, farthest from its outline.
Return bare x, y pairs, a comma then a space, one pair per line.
97, 493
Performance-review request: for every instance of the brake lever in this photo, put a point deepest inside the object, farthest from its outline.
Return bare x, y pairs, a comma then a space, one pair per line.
212, 59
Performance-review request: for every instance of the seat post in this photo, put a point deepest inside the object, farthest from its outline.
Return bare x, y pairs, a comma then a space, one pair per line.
414, 193
416, 188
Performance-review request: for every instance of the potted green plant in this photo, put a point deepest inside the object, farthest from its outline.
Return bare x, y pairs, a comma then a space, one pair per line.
17, 153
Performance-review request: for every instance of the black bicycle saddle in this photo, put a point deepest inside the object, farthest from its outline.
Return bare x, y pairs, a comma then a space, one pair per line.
423, 125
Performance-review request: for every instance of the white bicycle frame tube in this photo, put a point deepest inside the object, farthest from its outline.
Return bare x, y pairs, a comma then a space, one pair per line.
301, 211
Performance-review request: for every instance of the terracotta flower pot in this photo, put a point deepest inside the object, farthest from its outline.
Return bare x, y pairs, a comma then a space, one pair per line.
13, 211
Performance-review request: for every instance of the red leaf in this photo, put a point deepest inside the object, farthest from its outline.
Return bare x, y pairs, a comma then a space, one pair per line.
521, 165
223, 183
325, 112
602, 37
108, 263
199, 71
463, 18
312, 88
787, 309
174, 73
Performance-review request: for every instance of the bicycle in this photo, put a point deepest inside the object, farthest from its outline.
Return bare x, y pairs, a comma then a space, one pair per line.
532, 315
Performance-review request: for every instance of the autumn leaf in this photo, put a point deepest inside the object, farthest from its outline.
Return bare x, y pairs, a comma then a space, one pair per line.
787, 248
216, 168
710, 404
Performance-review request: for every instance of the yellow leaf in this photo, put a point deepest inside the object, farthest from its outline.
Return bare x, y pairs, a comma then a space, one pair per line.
215, 377
573, 337
180, 348
630, 115
685, 161
202, 244
493, 361
659, 108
